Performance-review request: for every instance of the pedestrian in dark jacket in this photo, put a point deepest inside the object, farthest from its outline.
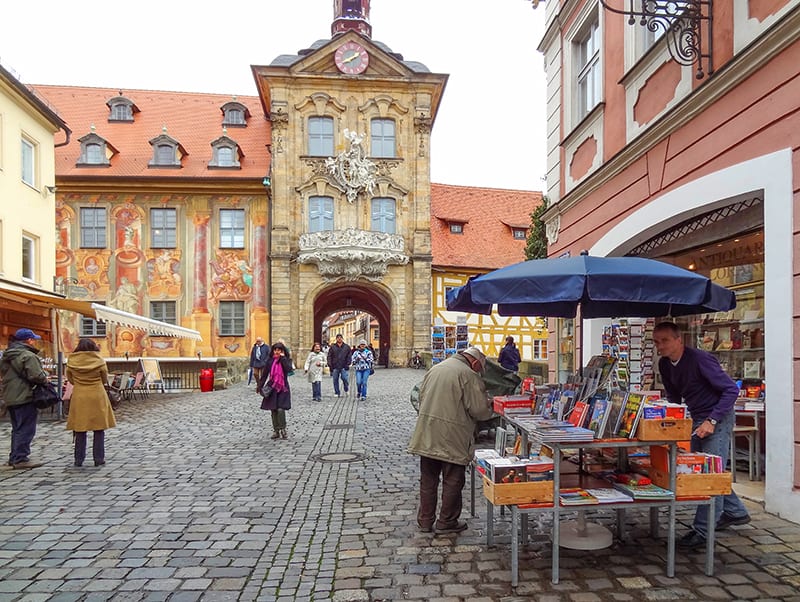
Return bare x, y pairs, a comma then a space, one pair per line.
509, 355
259, 356
21, 369
279, 397
339, 363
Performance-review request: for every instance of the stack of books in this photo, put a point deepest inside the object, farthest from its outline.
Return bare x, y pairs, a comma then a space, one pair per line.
562, 435
645, 492
576, 497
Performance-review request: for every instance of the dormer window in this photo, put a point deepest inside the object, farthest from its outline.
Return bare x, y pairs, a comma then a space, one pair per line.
456, 228
518, 231
519, 234
235, 114
167, 152
225, 153
121, 109
95, 151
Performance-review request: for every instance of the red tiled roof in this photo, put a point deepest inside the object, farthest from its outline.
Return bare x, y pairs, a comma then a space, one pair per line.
488, 214
194, 120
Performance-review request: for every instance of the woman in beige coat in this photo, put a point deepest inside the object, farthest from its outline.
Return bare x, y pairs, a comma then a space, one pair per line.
89, 408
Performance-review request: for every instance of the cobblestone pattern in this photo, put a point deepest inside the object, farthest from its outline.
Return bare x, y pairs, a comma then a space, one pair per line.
197, 502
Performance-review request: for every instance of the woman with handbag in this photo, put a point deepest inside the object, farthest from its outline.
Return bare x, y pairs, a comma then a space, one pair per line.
274, 388
362, 362
89, 406
315, 364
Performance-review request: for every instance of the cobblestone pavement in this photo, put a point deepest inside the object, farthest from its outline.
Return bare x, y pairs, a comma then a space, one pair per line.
197, 502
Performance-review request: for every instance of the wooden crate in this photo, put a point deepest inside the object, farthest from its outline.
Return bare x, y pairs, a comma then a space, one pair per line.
665, 429
502, 494
694, 485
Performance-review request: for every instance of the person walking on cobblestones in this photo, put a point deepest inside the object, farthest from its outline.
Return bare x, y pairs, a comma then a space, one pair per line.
20, 369
315, 364
89, 407
339, 362
258, 358
452, 399
362, 361
278, 396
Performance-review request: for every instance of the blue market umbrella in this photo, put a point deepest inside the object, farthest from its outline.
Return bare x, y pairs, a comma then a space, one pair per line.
603, 287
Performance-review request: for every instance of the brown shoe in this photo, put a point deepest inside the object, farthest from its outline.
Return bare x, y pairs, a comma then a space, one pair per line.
27, 464
456, 528
283, 434
276, 435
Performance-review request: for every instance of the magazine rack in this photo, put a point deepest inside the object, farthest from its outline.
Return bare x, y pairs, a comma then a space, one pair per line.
519, 513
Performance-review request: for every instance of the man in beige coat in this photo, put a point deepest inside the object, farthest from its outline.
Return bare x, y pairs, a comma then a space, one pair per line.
452, 399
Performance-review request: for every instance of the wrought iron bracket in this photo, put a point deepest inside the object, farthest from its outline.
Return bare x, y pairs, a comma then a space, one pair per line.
682, 22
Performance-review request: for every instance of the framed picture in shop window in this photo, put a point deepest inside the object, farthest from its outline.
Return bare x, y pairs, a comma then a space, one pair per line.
743, 273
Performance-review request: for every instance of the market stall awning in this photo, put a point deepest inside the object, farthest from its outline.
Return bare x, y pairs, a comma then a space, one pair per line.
113, 315
96, 311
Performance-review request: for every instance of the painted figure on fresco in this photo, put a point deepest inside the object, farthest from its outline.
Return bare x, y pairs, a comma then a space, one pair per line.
127, 296
233, 277
163, 274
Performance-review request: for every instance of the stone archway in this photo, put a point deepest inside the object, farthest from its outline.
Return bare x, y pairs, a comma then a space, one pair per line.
351, 296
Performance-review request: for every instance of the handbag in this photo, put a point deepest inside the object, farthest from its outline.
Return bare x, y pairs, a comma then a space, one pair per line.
114, 395
45, 395
266, 390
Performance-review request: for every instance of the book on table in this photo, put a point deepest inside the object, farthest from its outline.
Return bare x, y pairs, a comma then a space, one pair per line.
616, 402
576, 497
645, 492
608, 495
629, 418
579, 413
599, 417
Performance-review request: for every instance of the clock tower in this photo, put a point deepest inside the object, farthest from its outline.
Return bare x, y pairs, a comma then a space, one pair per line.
351, 15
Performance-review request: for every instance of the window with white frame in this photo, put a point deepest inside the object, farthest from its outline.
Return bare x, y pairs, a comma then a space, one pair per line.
164, 311
28, 258
519, 233
456, 228
163, 228
588, 69
28, 162
231, 228
231, 318
384, 215
91, 327
540, 349
320, 136
93, 227
382, 137
320, 213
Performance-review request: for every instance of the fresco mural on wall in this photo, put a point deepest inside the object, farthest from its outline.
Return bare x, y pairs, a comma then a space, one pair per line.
233, 277
163, 274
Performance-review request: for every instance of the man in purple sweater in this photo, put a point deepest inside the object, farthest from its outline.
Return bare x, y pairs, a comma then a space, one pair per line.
696, 377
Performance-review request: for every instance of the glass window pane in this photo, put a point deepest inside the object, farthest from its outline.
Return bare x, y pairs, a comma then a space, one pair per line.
28, 258
231, 318
320, 213
93, 227
163, 228
231, 228
382, 138
384, 218
28, 167
320, 136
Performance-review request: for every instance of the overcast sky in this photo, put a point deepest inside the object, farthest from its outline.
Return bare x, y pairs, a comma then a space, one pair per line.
490, 130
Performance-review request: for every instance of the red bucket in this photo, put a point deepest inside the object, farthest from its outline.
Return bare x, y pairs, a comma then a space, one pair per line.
206, 380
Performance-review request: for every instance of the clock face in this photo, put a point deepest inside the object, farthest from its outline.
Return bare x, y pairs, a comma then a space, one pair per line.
351, 58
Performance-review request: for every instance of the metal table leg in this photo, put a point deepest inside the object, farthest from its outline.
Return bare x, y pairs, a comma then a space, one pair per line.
710, 538
514, 546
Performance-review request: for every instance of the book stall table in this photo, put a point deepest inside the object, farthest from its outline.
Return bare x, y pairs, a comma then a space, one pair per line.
520, 512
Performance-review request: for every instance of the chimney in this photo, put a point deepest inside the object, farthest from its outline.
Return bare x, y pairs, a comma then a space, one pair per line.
351, 15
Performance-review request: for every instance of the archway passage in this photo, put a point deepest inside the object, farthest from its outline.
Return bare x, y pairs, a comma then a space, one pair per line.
355, 296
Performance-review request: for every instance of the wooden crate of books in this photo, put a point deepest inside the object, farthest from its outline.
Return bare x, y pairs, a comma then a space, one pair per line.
503, 494
694, 485
665, 429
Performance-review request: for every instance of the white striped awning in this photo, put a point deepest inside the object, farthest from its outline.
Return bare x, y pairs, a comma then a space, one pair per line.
112, 315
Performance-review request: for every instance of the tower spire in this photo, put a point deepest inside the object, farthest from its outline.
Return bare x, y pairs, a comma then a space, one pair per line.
351, 15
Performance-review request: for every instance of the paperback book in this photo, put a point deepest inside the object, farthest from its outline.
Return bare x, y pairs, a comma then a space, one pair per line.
616, 402
599, 417
629, 419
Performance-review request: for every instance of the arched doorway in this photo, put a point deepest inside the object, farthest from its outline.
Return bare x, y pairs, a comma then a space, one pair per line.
355, 296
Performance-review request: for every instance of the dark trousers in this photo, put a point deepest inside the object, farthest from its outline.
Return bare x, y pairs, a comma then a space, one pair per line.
23, 429
98, 447
316, 389
453, 478
278, 420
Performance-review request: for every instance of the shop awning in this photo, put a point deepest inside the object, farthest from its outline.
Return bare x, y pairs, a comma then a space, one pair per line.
96, 311
113, 315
